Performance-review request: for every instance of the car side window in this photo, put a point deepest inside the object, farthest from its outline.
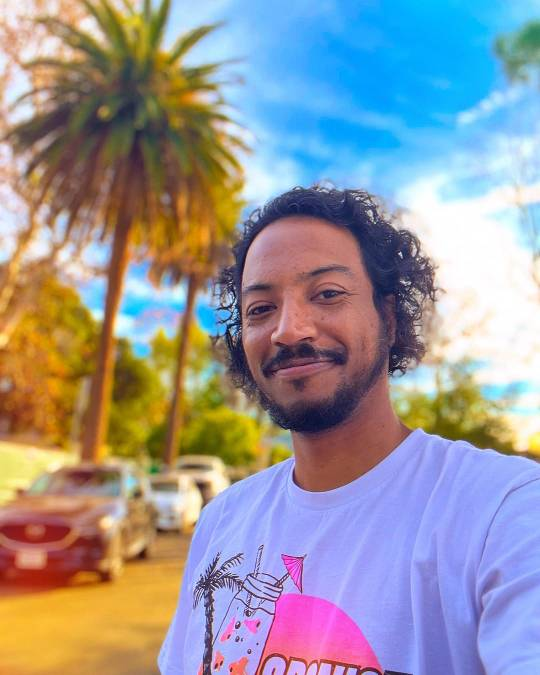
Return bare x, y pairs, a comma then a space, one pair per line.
133, 486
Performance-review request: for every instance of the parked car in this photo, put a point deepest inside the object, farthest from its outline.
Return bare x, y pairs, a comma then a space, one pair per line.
177, 499
89, 517
208, 472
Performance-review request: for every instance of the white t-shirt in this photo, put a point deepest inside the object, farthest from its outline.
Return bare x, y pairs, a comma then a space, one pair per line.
429, 564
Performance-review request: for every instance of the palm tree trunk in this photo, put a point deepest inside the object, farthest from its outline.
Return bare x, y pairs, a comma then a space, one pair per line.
208, 633
97, 416
177, 402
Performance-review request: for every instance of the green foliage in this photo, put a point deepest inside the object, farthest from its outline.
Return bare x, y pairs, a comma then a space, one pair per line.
43, 365
209, 394
220, 431
457, 410
138, 402
156, 440
164, 353
519, 52
279, 452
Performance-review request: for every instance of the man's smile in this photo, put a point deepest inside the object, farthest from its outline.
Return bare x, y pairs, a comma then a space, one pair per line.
302, 361
301, 368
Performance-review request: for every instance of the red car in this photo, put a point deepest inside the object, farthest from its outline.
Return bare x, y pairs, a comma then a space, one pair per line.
89, 517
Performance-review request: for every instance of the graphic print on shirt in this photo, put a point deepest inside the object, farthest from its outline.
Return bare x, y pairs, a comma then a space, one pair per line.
267, 631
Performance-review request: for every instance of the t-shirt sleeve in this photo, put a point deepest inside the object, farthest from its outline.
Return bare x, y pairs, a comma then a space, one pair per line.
171, 655
509, 585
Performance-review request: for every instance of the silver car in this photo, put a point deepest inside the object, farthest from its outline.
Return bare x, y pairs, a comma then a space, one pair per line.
177, 500
208, 471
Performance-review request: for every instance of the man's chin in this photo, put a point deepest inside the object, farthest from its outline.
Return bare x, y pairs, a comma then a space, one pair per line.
308, 415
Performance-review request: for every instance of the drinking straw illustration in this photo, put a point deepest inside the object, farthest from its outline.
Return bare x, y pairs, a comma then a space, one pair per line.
256, 569
258, 560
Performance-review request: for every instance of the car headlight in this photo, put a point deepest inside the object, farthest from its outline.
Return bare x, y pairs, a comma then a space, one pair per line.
105, 523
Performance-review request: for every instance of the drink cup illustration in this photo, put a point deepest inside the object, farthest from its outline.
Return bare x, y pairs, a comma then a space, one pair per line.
243, 632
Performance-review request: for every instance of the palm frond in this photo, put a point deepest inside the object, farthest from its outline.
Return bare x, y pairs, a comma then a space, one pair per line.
77, 40
82, 114
109, 22
208, 69
211, 567
129, 7
229, 581
152, 163
232, 562
147, 10
58, 64
120, 141
157, 24
188, 40
198, 594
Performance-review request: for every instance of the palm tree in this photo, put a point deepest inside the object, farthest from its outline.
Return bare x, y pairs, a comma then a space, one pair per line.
213, 579
194, 260
128, 143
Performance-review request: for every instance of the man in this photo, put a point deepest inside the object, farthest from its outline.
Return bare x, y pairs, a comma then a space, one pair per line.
378, 549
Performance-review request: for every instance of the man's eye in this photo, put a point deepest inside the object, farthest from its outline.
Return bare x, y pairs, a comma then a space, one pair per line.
329, 294
258, 310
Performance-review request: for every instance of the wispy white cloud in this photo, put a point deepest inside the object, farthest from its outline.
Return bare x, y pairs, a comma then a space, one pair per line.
495, 100
321, 100
268, 175
490, 308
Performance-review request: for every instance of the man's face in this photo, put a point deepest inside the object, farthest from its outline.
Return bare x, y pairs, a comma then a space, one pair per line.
313, 339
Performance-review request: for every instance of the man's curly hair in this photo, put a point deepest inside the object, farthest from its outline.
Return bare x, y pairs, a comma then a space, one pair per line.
393, 258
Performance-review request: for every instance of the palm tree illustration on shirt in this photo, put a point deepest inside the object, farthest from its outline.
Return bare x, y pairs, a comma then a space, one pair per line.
214, 578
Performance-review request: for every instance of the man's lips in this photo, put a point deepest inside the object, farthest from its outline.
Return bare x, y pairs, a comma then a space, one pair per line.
301, 368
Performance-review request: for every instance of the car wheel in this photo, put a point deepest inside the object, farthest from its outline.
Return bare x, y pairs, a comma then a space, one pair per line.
150, 547
116, 562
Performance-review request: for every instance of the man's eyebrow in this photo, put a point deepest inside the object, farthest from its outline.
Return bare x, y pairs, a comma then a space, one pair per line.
256, 287
312, 273
328, 268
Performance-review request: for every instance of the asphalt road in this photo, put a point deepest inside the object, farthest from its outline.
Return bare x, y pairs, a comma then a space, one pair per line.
84, 627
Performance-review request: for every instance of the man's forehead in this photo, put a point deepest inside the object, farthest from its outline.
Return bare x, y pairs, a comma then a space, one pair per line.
302, 245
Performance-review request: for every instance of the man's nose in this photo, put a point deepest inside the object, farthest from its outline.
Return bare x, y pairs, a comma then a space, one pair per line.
295, 323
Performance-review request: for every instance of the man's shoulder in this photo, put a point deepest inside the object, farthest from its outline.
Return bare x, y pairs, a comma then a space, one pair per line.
465, 464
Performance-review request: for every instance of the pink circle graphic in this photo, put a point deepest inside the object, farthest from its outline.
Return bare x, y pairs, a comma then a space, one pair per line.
313, 629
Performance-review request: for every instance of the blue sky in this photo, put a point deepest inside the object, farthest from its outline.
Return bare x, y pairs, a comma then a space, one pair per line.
406, 99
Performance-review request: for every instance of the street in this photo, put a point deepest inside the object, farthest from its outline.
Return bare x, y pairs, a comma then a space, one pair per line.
84, 627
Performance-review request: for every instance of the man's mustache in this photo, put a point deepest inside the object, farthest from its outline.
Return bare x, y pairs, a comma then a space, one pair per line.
304, 351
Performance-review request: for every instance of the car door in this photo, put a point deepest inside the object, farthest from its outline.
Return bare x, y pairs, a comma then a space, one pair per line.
137, 513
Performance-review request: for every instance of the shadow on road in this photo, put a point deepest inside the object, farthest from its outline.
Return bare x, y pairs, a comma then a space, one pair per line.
23, 583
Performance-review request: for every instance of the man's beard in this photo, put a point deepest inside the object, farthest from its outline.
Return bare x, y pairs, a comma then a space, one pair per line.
311, 417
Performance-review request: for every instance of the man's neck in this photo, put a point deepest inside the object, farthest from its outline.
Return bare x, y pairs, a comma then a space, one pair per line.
336, 457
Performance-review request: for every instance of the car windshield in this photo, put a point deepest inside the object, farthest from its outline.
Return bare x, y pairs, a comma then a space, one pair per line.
164, 486
95, 483
195, 467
